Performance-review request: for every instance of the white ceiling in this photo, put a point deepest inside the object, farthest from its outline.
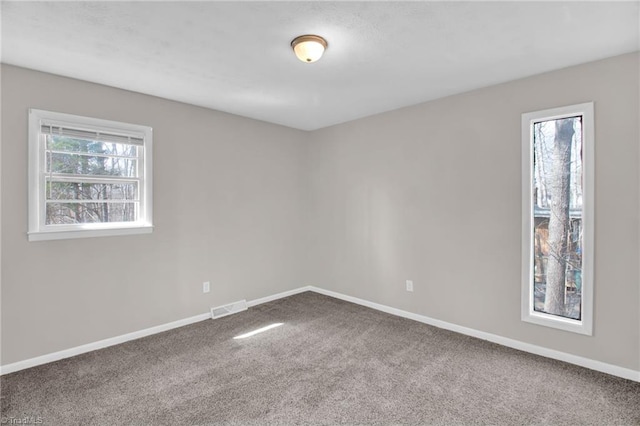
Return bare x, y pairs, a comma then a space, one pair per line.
236, 57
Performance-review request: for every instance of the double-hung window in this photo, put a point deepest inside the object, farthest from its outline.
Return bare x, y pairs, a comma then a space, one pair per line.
558, 223
87, 177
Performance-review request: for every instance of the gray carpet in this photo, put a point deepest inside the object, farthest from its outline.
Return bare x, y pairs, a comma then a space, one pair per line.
331, 362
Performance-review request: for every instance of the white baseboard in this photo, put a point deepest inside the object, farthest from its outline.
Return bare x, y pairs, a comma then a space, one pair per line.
516, 344
278, 296
603, 367
67, 353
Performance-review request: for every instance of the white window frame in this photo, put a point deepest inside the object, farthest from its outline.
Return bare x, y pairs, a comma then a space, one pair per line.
38, 229
585, 324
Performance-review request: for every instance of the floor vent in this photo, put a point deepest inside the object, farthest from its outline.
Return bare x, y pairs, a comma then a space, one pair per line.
231, 308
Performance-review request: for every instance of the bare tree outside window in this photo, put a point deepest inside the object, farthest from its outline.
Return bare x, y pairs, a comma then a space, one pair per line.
557, 203
90, 181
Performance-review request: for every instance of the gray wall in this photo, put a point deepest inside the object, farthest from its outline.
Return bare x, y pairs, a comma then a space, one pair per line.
227, 209
432, 193
429, 193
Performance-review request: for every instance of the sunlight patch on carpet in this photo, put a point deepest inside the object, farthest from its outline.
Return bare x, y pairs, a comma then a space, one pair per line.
260, 330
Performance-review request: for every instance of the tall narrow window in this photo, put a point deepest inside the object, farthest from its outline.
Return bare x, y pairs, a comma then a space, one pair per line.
88, 177
557, 206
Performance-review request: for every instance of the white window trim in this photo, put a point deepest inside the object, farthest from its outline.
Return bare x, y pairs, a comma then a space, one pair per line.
38, 230
585, 325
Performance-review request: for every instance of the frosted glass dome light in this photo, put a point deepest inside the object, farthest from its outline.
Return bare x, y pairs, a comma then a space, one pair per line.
309, 48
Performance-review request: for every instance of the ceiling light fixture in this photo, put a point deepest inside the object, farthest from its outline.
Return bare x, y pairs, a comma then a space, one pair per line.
309, 48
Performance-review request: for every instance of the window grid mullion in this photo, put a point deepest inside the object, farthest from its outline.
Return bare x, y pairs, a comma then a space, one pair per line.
92, 154
59, 177
90, 201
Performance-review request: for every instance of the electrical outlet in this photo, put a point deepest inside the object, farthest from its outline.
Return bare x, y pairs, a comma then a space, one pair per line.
409, 285
206, 287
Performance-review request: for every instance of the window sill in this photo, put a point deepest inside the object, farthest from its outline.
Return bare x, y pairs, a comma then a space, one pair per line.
88, 233
566, 324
